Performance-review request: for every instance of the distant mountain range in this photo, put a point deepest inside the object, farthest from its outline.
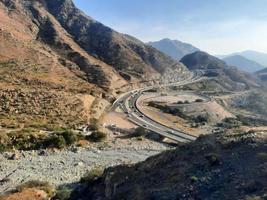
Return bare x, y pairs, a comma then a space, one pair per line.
243, 63
174, 48
260, 58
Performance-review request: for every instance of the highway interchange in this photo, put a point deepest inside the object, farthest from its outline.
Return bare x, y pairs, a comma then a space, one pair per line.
128, 103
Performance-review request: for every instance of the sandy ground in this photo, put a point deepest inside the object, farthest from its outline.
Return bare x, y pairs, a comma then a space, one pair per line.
170, 99
118, 119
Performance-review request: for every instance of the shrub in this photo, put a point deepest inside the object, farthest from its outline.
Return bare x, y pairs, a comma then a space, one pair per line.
41, 185
97, 136
92, 175
94, 126
57, 141
201, 119
262, 156
199, 100
61, 139
140, 132
62, 194
194, 179
70, 137
213, 159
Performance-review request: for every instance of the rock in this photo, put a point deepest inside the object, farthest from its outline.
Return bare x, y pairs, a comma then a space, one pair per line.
75, 150
13, 156
43, 153
79, 164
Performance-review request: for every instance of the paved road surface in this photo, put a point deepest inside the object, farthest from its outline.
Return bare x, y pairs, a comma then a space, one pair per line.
128, 103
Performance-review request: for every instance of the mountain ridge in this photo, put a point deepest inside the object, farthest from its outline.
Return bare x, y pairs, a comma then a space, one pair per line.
57, 51
243, 63
256, 56
174, 48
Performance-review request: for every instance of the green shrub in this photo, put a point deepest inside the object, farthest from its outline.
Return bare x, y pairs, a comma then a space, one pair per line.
201, 119
70, 137
97, 136
41, 185
63, 194
140, 132
92, 175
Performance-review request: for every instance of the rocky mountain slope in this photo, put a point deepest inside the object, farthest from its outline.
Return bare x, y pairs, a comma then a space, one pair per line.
62, 63
262, 74
215, 67
258, 57
243, 63
213, 167
174, 48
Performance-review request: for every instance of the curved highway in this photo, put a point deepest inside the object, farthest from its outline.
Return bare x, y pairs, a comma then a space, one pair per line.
128, 103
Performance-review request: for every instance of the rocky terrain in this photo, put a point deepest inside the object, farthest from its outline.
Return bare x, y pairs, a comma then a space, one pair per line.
214, 67
232, 166
243, 63
62, 168
54, 50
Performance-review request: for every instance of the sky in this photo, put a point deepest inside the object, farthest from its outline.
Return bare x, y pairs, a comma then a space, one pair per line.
215, 26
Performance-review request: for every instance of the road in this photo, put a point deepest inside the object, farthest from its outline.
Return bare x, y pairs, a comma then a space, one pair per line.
128, 104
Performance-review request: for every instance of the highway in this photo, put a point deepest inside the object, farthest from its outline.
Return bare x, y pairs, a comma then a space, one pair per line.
128, 103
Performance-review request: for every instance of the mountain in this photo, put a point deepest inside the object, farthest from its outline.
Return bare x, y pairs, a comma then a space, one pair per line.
243, 63
214, 67
174, 48
258, 57
58, 64
210, 168
262, 74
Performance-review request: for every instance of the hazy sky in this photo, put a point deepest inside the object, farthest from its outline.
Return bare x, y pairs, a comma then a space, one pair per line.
216, 26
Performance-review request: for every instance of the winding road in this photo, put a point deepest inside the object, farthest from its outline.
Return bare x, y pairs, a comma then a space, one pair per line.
128, 103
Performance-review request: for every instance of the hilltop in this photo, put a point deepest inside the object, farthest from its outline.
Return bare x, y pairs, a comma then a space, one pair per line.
174, 48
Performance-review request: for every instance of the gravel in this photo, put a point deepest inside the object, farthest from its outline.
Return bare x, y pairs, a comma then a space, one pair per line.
64, 167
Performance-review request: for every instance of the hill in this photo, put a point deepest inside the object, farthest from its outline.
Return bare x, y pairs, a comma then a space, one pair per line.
210, 168
59, 65
255, 56
262, 74
174, 48
243, 63
214, 67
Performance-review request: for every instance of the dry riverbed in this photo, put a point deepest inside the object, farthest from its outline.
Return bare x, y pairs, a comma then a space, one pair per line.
67, 167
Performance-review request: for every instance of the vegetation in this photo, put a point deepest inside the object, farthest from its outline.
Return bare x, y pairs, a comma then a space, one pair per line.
199, 100
140, 132
200, 119
32, 139
97, 136
41, 185
229, 123
92, 175
63, 194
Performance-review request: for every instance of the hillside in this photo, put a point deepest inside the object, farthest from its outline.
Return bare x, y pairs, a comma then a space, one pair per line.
255, 56
262, 74
214, 67
174, 48
213, 167
243, 63
57, 64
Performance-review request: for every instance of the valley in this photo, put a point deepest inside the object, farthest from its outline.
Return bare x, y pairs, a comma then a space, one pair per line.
88, 112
